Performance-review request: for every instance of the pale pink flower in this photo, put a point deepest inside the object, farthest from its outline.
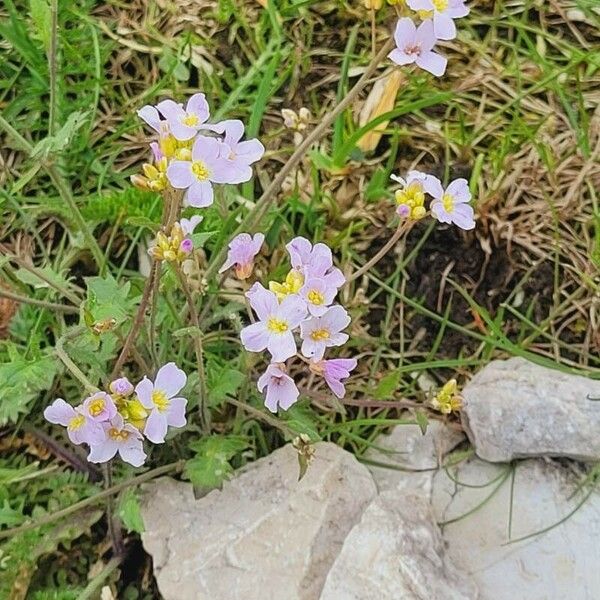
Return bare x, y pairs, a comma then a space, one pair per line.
121, 387
319, 294
184, 124
167, 409
334, 371
282, 392
414, 45
314, 261
319, 333
151, 116
206, 167
99, 407
444, 11
274, 330
247, 152
242, 250
452, 204
119, 437
80, 428
189, 225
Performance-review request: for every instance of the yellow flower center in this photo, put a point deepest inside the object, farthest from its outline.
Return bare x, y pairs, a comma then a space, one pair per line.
76, 422
292, 284
319, 335
96, 407
413, 197
190, 120
119, 435
277, 326
448, 202
315, 297
440, 5
200, 170
160, 400
425, 14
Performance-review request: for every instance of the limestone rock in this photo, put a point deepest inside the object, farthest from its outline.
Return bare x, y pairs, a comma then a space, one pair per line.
517, 409
395, 553
265, 536
412, 457
558, 564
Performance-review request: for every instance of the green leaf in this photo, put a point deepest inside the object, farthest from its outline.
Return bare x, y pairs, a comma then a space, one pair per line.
106, 299
200, 239
29, 278
301, 419
387, 386
63, 137
42, 21
422, 420
22, 381
210, 467
129, 511
222, 382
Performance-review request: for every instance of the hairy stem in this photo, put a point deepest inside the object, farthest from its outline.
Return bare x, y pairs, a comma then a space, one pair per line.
71, 366
52, 52
114, 526
96, 583
35, 302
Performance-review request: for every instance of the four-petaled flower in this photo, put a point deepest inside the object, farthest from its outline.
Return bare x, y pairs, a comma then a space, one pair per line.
80, 427
161, 399
319, 333
184, 124
282, 392
318, 294
246, 152
452, 204
99, 407
333, 371
119, 437
274, 330
444, 11
242, 250
414, 45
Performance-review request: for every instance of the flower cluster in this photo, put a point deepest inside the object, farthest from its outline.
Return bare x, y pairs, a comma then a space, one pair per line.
177, 246
303, 304
117, 421
415, 44
449, 205
447, 400
192, 154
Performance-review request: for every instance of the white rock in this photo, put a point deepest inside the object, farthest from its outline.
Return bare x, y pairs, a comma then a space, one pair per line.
410, 456
557, 565
517, 409
395, 553
265, 536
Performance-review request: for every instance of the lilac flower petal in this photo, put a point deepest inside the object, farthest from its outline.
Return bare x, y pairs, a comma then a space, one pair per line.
180, 175
282, 346
457, 9
433, 63
292, 310
340, 367
233, 130
288, 393
257, 241
170, 379
134, 455
443, 26
188, 225
59, 412
200, 194
176, 414
463, 216
263, 301
439, 212
400, 57
250, 151
336, 319
101, 453
171, 110
405, 32
181, 131
335, 278
336, 386
459, 190
265, 378
206, 148
197, 105
230, 171
312, 349
299, 250
144, 391
433, 186
420, 4
426, 37
150, 115
156, 427
338, 339
255, 337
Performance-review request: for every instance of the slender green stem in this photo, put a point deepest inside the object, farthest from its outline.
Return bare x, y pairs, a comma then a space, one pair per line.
35, 302
73, 368
114, 526
52, 57
63, 191
97, 498
96, 583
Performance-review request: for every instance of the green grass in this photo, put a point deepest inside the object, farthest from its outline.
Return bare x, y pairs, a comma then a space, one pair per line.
514, 114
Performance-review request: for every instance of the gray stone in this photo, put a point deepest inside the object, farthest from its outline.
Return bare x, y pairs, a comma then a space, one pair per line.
265, 536
517, 409
412, 457
558, 564
396, 553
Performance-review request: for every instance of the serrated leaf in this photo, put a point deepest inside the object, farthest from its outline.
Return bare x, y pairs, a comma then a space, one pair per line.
210, 467
21, 380
130, 513
42, 21
387, 386
107, 299
29, 278
222, 382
